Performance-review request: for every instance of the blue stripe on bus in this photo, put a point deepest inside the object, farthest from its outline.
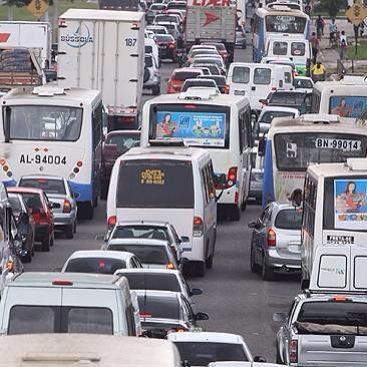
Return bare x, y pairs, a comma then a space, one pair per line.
268, 182
82, 192
9, 183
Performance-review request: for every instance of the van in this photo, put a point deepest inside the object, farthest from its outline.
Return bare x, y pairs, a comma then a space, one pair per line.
168, 183
38, 350
256, 81
339, 268
67, 303
295, 49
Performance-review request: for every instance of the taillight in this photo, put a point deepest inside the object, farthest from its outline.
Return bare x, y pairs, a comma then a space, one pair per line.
293, 351
43, 218
271, 238
273, 88
171, 45
170, 266
232, 176
111, 221
226, 89
198, 227
36, 218
66, 207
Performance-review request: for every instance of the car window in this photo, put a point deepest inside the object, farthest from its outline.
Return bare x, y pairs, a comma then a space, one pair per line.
152, 232
287, 77
268, 116
123, 142
15, 204
289, 219
280, 48
183, 75
262, 76
148, 49
303, 83
298, 48
153, 281
148, 61
32, 200
241, 74
159, 307
94, 265
49, 186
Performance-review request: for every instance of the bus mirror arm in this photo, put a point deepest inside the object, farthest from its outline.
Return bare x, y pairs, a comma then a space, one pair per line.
7, 124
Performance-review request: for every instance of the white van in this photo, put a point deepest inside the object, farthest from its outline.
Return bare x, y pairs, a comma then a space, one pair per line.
256, 81
67, 303
219, 123
297, 50
173, 184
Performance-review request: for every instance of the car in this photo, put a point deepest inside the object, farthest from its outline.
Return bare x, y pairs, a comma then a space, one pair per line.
211, 60
276, 240
151, 48
61, 197
220, 81
163, 312
117, 142
195, 48
40, 208
153, 230
202, 348
294, 99
192, 83
166, 45
158, 280
221, 48
155, 254
280, 61
240, 37
100, 262
167, 18
303, 83
152, 78
25, 225
153, 10
256, 177
214, 69
201, 52
172, 28
157, 29
178, 77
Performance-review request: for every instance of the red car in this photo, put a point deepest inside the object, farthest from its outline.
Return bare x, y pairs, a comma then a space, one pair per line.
40, 208
178, 77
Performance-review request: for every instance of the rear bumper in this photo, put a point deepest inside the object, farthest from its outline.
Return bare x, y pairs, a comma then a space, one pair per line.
274, 260
64, 219
42, 232
197, 252
229, 195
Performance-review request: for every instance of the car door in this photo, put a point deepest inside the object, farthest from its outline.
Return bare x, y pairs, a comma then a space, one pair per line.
261, 232
261, 84
256, 234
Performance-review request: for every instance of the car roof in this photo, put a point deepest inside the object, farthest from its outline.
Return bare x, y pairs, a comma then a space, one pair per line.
212, 337
148, 271
185, 70
137, 241
282, 206
279, 108
110, 254
25, 190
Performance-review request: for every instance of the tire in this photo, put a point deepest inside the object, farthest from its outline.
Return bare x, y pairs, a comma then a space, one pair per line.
104, 190
253, 266
156, 90
235, 213
267, 273
69, 233
243, 205
74, 226
52, 239
278, 359
146, 75
46, 245
209, 261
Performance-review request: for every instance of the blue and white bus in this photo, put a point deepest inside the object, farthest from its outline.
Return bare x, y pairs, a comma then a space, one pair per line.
282, 22
53, 131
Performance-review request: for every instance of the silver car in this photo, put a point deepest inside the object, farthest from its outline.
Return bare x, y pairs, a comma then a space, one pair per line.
61, 197
276, 240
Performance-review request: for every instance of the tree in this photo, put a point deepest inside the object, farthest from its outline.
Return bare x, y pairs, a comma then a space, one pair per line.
331, 7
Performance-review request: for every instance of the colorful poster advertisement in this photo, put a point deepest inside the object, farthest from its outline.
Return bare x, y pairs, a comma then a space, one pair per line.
347, 106
350, 204
196, 128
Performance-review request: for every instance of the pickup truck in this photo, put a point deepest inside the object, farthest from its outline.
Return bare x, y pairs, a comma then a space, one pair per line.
324, 330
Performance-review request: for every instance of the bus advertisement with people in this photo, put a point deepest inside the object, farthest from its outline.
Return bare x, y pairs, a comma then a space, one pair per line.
270, 23
292, 145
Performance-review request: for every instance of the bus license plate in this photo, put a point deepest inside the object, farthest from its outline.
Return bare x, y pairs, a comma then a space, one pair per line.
42, 159
344, 144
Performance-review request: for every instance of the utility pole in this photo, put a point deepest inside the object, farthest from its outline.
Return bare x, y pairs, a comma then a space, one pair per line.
55, 21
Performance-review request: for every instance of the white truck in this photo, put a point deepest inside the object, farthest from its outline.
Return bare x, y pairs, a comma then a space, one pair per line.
34, 35
104, 50
212, 21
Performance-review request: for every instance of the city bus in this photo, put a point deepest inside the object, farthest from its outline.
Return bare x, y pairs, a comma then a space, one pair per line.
219, 123
334, 208
53, 131
346, 98
293, 144
278, 23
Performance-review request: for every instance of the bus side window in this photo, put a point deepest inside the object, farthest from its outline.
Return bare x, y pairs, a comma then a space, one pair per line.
241, 135
205, 184
97, 125
309, 206
210, 181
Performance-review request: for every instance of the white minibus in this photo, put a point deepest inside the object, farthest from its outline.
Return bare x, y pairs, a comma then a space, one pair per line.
256, 81
53, 131
171, 184
334, 206
219, 123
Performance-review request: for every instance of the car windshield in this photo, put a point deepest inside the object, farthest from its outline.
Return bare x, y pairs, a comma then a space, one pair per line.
219, 80
303, 83
165, 18
218, 46
154, 282
123, 142
285, 24
289, 219
267, 117
203, 52
287, 99
32, 200
37, 122
214, 70
202, 353
207, 60
94, 265
146, 253
49, 186
159, 307
15, 203
141, 231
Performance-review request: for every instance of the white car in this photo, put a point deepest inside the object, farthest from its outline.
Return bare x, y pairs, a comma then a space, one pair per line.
100, 262
152, 48
152, 77
157, 29
303, 83
202, 348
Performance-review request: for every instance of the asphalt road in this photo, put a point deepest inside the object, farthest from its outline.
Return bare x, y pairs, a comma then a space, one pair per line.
236, 300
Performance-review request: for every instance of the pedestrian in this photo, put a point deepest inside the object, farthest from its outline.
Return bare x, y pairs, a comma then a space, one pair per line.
318, 72
320, 24
361, 29
308, 9
333, 29
315, 45
343, 44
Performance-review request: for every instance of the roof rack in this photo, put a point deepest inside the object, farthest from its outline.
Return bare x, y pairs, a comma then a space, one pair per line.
167, 143
48, 91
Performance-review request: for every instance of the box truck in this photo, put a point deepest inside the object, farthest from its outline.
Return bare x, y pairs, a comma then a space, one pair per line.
35, 35
104, 50
211, 21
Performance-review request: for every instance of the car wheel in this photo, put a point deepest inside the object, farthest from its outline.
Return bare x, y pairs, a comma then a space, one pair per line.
74, 226
243, 204
69, 231
52, 239
156, 90
267, 273
278, 359
209, 261
253, 266
46, 245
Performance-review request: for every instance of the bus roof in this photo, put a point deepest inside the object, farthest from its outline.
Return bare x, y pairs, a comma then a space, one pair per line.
286, 11
343, 87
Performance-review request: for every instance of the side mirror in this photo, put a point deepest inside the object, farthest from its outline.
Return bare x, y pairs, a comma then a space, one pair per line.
263, 101
253, 224
196, 291
184, 239
261, 147
280, 317
259, 359
201, 316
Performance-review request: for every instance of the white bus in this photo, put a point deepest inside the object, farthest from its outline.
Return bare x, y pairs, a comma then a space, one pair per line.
53, 131
293, 144
217, 122
334, 208
346, 98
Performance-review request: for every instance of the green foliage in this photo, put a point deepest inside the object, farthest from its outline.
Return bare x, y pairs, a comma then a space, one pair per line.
331, 7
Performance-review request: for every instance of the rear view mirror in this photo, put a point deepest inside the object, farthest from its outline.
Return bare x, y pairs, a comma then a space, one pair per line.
252, 224
280, 317
259, 359
184, 239
196, 291
261, 147
201, 316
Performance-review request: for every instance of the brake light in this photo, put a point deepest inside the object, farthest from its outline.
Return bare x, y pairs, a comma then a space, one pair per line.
43, 218
144, 314
198, 227
36, 217
226, 89
232, 176
271, 238
67, 206
178, 330
273, 88
339, 298
293, 351
170, 45
170, 266
62, 282
111, 221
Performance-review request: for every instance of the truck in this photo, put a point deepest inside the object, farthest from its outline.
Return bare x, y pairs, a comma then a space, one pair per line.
104, 50
35, 35
129, 5
211, 21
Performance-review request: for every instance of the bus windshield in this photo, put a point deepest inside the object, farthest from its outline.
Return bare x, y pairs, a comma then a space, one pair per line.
199, 125
295, 151
286, 24
35, 122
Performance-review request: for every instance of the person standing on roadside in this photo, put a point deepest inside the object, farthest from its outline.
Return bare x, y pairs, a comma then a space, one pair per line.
333, 29
315, 45
320, 24
343, 44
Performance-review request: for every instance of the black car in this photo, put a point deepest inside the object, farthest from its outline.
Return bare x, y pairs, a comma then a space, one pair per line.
166, 46
220, 80
25, 226
295, 99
